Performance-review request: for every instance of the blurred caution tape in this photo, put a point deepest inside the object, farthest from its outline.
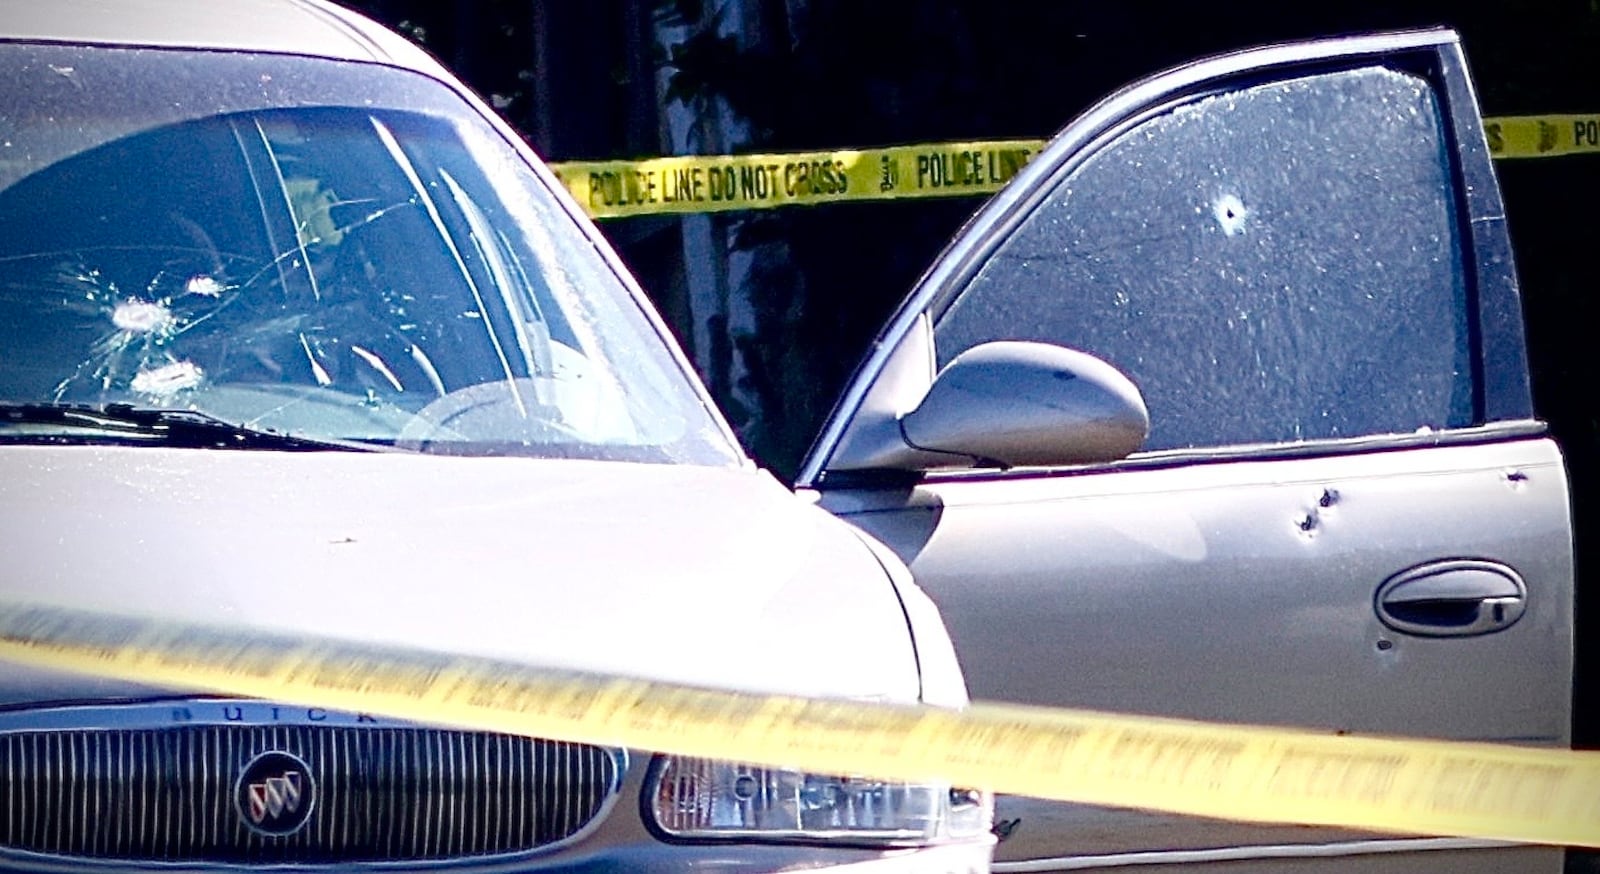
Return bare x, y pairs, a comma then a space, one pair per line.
1226, 771
716, 183
1542, 136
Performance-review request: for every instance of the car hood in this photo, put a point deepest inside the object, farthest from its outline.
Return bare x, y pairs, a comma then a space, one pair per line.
698, 575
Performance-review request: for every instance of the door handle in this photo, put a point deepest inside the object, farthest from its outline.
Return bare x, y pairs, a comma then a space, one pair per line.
1455, 598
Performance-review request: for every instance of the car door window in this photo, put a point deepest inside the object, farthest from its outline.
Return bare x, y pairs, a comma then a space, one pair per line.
1206, 252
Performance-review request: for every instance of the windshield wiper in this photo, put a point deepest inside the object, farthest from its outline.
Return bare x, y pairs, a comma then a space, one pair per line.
127, 423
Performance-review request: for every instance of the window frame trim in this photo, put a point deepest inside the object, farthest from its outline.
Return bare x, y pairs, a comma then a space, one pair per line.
1478, 435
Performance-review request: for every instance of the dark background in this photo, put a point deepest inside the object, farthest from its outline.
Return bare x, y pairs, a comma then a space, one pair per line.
591, 80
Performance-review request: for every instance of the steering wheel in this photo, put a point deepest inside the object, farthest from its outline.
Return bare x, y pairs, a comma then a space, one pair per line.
500, 412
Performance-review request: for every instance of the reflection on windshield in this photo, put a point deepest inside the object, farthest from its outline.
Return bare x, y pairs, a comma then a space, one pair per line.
345, 273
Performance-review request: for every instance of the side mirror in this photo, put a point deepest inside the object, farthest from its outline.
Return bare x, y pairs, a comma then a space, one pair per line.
1014, 403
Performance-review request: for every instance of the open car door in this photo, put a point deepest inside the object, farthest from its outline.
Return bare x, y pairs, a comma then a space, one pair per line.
1221, 411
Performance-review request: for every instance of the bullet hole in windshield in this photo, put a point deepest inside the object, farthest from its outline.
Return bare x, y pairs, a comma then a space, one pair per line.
141, 317
168, 379
207, 286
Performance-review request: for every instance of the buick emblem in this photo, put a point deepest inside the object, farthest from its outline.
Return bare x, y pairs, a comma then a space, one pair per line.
275, 794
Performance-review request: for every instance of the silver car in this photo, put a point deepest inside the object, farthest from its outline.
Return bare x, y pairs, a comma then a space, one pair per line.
298, 337
1219, 410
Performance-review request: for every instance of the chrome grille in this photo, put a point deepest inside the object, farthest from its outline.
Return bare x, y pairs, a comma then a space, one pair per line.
382, 794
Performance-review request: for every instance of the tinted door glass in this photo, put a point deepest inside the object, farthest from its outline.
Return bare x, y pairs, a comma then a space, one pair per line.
1273, 264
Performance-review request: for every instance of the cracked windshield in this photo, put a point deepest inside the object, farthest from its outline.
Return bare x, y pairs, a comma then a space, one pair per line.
370, 276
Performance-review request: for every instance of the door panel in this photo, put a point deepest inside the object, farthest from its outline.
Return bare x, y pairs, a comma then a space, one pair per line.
1245, 591
1345, 515
1241, 592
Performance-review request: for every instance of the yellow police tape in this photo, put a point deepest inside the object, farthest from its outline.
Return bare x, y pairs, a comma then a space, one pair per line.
716, 183
1542, 136
1226, 771
608, 189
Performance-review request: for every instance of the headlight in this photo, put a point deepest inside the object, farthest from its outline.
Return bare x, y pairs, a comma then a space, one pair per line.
701, 799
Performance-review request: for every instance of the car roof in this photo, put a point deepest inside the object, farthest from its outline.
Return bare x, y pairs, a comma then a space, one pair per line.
301, 27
